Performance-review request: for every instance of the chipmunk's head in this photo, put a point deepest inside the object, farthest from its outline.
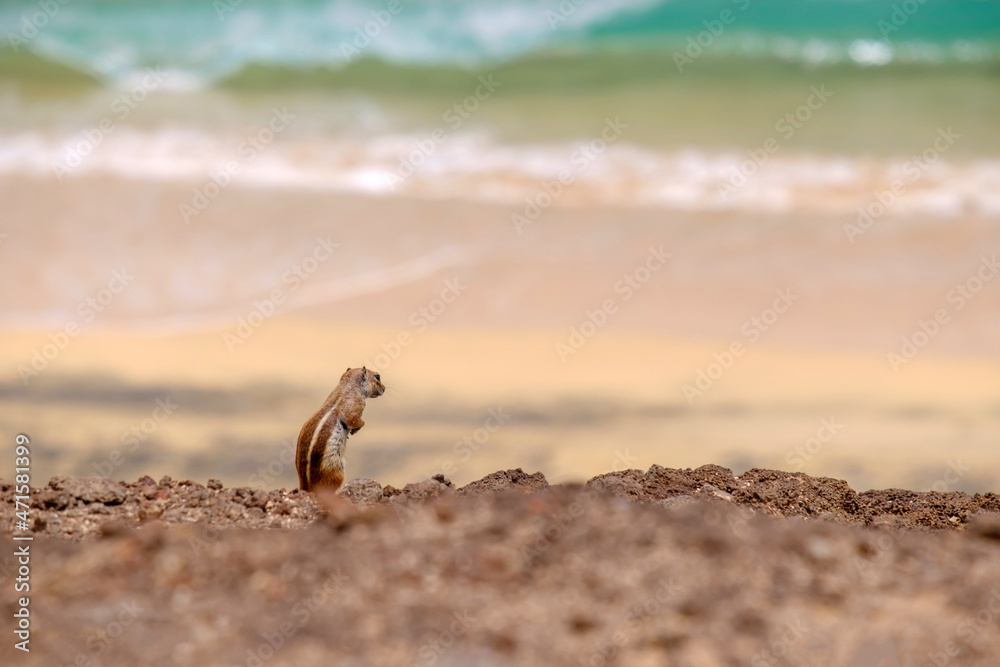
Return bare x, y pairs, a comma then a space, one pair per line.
369, 382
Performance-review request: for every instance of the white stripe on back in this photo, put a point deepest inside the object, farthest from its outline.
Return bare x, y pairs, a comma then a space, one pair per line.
312, 443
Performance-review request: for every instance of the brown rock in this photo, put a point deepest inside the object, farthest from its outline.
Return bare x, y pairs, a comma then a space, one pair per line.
362, 491
793, 493
51, 499
429, 488
624, 484
91, 489
659, 483
258, 499
506, 480
931, 509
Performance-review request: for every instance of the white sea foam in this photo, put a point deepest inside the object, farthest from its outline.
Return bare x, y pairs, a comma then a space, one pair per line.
205, 293
473, 166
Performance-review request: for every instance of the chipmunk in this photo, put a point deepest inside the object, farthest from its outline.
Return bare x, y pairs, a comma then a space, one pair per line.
319, 457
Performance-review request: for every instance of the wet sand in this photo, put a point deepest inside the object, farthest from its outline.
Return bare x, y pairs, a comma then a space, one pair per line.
464, 315
618, 402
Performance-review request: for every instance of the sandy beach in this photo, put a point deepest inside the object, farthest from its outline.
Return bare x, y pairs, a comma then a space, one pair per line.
606, 335
687, 313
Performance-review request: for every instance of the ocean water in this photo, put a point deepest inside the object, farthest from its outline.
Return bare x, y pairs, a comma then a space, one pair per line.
734, 105
209, 42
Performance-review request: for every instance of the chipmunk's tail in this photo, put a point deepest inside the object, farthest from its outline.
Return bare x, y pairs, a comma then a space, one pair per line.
302, 455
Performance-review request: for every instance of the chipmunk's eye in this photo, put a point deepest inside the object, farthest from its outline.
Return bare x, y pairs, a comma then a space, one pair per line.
378, 377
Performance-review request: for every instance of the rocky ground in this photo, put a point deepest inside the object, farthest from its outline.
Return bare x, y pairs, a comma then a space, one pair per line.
663, 567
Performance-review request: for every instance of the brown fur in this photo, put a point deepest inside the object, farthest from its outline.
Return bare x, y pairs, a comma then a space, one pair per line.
329, 428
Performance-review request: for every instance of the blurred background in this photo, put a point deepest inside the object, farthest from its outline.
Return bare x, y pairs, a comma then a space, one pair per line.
573, 236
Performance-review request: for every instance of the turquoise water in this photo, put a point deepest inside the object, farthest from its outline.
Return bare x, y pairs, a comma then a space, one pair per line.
699, 86
212, 42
